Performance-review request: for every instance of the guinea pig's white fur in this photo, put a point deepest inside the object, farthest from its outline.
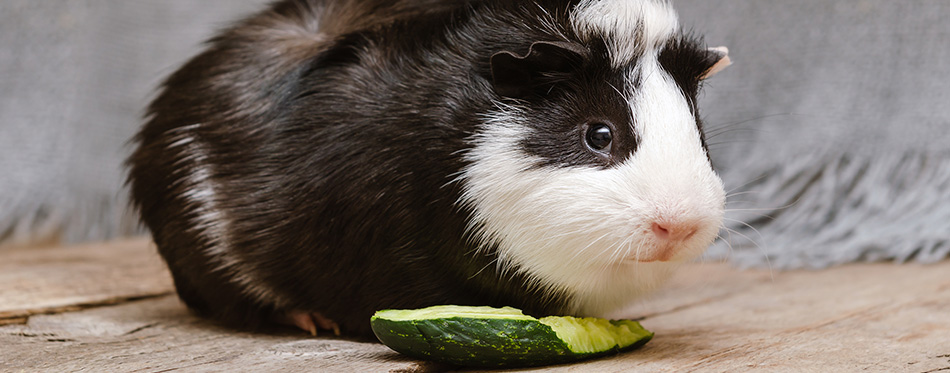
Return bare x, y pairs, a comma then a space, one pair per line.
623, 21
571, 228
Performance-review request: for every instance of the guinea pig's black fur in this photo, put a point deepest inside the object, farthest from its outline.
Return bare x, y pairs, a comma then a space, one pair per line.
309, 158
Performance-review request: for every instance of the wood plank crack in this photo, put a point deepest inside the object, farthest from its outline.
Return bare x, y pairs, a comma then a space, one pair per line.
141, 328
21, 317
14, 321
686, 306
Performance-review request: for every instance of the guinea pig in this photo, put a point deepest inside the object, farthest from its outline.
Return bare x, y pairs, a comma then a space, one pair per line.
325, 159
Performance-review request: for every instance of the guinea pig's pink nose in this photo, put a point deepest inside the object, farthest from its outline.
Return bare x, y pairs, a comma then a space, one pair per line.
668, 231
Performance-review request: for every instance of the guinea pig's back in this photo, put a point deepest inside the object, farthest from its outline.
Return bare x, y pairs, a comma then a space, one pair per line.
247, 186
198, 161
204, 129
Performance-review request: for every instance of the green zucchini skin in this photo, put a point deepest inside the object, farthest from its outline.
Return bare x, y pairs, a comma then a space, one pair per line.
484, 343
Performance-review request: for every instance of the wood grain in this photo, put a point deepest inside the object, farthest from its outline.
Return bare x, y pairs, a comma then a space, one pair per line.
56, 279
159, 335
877, 317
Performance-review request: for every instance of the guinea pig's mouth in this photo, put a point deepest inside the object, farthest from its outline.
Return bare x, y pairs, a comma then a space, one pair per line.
634, 261
650, 259
661, 253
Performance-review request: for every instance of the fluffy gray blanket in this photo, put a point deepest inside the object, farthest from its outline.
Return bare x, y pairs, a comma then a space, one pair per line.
830, 131
75, 77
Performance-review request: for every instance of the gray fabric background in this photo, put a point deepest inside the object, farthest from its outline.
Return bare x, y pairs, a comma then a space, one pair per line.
830, 130
75, 76
837, 116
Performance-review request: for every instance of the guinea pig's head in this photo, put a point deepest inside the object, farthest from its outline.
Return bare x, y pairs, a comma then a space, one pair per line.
592, 175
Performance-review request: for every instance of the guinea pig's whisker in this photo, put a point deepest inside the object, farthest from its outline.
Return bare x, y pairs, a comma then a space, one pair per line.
757, 215
754, 229
747, 225
750, 182
722, 131
736, 194
728, 241
762, 209
705, 258
729, 125
589, 245
639, 249
714, 133
566, 233
717, 144
756, 244
620, 250
740, 201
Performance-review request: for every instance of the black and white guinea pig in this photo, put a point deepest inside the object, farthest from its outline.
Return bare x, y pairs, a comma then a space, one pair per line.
325, 159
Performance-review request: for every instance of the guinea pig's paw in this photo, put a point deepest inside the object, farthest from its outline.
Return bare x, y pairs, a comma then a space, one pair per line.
310, 322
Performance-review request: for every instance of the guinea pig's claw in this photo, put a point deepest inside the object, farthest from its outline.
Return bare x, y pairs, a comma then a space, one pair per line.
311, 322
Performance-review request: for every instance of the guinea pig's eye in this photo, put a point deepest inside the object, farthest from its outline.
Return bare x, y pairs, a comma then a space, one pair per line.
599, 137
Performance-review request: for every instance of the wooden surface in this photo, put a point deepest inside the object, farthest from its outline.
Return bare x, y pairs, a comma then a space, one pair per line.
43, 280
109, 307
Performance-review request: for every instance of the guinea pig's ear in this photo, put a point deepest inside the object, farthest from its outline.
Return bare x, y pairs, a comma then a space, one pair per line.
721, 56
533, 74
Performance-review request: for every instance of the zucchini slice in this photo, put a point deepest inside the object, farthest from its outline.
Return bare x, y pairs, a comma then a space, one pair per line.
502, 337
